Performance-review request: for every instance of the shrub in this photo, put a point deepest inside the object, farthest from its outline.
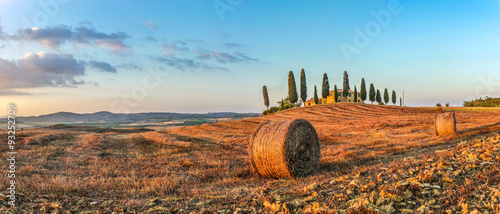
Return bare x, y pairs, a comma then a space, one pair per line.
285, 105
381, 104
438, 104
274, 109
266, 112
447, 104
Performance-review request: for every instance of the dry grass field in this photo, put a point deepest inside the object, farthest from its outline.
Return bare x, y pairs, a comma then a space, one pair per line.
373, 159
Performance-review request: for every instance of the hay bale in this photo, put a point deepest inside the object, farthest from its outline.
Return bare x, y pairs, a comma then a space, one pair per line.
285, 149
446, 124
439, 110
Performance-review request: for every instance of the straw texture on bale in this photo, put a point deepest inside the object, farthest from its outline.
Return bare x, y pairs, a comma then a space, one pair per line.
446, 124
285, 149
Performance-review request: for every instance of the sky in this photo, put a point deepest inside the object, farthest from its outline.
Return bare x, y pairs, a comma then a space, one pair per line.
214, 56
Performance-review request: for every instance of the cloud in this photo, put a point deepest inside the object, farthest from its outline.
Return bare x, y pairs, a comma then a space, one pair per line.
41, 70
180, 42
103, 66
51, 37
2, 34
150, 24
167, 53
244, 57
226, 57
130, 66
55, 36
202, 54
13, 93
173, 49
112, 44
231, 45
114, 41
188, 64
151, 39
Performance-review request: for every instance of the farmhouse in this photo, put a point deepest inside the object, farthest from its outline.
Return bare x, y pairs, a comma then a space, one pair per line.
331, 98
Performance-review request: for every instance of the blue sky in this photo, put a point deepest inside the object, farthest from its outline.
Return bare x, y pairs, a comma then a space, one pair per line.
208, 56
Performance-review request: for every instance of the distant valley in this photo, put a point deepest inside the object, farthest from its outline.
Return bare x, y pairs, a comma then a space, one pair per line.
116, 120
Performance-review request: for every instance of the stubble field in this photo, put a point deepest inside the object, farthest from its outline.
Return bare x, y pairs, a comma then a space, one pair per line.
373, 159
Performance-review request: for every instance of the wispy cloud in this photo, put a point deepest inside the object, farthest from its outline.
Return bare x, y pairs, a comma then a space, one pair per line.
172, 49
244, 57
231, 45
132, 66
55, 36
232, 58
13, 93
151, 39
185, 64
151, 25
202, 54
103, 66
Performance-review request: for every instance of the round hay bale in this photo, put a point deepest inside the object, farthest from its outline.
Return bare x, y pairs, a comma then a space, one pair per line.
285, 149
446, 124
439, 110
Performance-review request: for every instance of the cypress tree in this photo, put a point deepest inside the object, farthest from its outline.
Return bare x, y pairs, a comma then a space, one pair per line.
363, 90
326, 87
372, 93
400, 101
378, 97
303, 87
292, 89
315, 95
346, 88
336, 95
355, 95
386, 96
394, 98
266, 97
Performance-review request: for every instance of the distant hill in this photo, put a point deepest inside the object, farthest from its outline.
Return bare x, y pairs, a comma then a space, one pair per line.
109, 117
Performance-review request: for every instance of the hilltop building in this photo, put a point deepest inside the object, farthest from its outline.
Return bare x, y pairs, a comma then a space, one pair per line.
331, 98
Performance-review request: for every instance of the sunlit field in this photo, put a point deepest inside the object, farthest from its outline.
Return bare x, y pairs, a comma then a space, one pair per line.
373, 158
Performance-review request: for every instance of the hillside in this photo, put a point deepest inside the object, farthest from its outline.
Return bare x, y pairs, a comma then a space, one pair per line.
350, 131
374, 158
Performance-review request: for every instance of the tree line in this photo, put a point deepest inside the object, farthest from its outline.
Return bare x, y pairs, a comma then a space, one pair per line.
293, 98
487, 102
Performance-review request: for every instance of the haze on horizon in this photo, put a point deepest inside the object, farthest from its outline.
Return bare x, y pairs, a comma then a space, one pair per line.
215, 56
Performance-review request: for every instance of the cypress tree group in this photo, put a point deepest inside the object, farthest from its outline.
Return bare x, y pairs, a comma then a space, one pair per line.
386, 96
326, 87
303, 87
372, 93
292, 89
336, 95
363, 90
266, 97
346, 88
355, 94
378, 97
315, 95
394, 98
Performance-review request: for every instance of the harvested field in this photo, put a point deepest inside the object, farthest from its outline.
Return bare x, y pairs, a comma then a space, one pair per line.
378, 156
